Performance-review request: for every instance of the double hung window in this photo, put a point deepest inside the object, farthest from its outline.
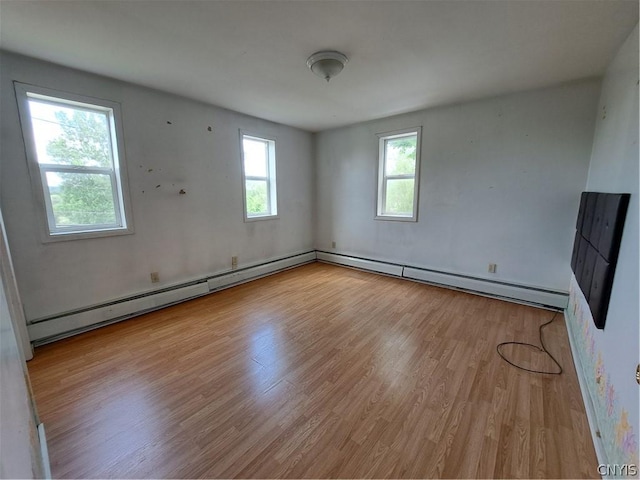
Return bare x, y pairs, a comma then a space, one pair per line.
76, 162
398, 175
259, 177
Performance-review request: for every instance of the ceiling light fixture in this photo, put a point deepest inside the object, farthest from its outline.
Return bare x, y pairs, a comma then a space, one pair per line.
327, 64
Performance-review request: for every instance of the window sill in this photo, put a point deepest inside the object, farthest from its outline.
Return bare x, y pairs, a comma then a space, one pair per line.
62, 237
394, 218
261, 217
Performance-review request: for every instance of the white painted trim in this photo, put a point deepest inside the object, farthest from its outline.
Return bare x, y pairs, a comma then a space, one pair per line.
382, 138
74, 321
511, 292
50, 329
271, 179
522, 293
71, 323
44, 452
14, 302
364, 264
48, 231
252, 273
601, 453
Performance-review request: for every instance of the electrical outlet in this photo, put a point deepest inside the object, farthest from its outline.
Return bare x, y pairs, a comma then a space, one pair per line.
493, 267
234, 262
155, 277
333, 244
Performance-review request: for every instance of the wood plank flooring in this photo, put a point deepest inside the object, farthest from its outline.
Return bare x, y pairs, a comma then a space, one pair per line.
316, 372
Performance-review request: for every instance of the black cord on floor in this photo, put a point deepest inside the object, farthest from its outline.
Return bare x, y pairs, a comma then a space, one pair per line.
542, 349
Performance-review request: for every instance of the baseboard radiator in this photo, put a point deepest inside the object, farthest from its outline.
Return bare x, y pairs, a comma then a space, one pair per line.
56, 327
49, 329
243, 275
502, 290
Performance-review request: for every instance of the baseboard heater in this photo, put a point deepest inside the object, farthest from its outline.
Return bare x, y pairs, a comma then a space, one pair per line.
503, 290
247, 274
56, 327
49, 329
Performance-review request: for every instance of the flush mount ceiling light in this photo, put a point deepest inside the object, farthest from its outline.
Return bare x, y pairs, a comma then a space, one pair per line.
327, 64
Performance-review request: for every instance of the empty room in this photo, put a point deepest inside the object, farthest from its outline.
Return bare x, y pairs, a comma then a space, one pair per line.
319, 239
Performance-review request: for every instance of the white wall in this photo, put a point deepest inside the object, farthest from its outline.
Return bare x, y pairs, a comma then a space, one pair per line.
183, 237
20, 455
614, 168
500, 182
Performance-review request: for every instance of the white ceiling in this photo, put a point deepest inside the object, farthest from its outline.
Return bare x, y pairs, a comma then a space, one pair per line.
250, 56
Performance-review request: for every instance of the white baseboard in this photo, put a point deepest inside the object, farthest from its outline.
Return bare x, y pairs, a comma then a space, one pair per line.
75, 321
230, 279
361, 263
70, 323
506, 291
56, 327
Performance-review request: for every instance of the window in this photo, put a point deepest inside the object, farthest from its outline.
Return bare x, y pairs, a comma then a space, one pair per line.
76, 162
398, 175
259, 172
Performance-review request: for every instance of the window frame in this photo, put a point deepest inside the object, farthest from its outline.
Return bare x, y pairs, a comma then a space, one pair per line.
270, 179
383, 178
50, 232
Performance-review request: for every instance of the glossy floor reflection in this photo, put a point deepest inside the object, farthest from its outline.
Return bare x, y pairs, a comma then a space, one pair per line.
320, 372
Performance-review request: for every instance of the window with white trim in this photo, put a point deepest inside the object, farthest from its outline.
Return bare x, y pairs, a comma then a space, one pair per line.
75, 159
398, 175
259, 177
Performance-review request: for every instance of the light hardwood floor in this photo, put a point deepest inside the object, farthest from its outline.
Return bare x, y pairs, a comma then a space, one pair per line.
319, 371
